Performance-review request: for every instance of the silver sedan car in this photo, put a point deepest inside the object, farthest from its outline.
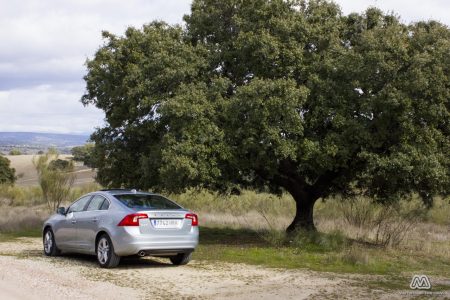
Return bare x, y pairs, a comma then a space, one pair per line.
115, 223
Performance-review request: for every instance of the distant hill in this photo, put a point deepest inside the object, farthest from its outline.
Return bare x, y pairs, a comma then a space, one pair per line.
30, 142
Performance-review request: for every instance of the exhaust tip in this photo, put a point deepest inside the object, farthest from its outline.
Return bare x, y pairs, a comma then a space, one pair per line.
141, 253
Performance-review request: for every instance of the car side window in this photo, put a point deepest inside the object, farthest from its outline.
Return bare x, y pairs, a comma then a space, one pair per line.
79, 205
105, 205
96, 203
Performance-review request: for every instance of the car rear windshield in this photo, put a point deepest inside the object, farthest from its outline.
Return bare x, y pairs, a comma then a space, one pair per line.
145, 201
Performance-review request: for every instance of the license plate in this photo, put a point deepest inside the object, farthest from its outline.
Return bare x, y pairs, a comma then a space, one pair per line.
166, 223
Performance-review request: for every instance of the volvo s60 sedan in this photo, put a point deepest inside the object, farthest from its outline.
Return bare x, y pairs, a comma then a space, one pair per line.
115, 223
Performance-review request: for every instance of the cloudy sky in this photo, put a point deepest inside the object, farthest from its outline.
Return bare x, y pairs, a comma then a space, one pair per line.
45, 43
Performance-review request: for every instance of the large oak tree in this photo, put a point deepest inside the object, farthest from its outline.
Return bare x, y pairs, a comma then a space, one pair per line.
276, 95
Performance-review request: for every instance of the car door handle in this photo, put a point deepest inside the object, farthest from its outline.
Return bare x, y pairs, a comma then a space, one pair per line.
74, 221
94, 220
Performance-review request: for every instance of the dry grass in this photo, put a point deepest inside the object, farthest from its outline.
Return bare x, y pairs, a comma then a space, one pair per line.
31, 196
21, 218
27, 175
23, 208
423, 234
429, 234
247, 201
20, 196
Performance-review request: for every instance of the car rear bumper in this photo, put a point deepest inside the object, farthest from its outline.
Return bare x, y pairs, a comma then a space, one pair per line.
129, 241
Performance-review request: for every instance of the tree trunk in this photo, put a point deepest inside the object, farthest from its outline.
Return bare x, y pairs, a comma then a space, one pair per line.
304, 218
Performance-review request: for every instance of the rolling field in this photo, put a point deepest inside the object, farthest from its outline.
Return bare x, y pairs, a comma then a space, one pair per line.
27, 176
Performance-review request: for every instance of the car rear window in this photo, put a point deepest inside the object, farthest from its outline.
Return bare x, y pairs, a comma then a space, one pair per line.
144, 201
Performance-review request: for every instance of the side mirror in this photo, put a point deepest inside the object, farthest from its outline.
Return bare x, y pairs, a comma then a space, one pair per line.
61, 210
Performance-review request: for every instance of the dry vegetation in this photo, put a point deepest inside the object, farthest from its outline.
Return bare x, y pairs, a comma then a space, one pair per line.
356, 236
27, 175
24, 208
407, 226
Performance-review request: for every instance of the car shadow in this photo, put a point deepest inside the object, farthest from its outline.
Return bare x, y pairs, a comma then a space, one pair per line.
129, 262
208, 236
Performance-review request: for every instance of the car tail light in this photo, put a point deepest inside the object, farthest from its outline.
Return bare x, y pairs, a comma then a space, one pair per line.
193, 218
132, 220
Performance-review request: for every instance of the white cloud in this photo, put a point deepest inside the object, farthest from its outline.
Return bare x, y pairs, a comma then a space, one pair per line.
409, 10
47, 108
44, 47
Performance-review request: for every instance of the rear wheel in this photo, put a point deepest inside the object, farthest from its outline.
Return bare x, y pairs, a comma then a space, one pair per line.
105, 253
181, 259
50, 248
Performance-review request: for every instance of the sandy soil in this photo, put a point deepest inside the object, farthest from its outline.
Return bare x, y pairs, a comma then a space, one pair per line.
26, 274
28, 176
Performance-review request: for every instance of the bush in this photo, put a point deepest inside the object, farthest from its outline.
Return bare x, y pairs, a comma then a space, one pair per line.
60, 164
55, 183
440, 212
385, 225
20, 196
392, 225
84, 154
15, 152
7, 174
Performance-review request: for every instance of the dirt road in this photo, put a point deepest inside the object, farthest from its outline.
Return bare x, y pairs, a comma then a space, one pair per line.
26, 274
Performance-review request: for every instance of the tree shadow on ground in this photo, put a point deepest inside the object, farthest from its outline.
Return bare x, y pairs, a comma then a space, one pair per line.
232, 237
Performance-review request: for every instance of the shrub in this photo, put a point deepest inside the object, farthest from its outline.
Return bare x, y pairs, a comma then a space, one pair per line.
20, 196
55, 183
15, 152
440, 212
60, 164
84, 154
7, 174
385, 225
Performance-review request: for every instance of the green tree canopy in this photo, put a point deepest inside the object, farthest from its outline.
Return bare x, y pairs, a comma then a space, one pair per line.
7, 174
84, 154
276, 95
15, 152
61, 165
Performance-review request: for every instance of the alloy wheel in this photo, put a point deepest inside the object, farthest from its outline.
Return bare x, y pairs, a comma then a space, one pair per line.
103, 250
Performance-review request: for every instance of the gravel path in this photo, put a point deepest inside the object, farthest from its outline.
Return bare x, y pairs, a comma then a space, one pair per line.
26, 274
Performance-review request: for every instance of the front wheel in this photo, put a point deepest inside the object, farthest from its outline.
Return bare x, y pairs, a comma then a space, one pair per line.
105, 253
50, 248
181, 259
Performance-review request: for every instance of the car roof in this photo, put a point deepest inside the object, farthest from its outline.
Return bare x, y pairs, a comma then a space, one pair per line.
124, 191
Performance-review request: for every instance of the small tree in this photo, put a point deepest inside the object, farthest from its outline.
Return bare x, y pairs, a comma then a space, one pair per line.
7, 174
85, 154
15, 152
54, 181
61, 164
